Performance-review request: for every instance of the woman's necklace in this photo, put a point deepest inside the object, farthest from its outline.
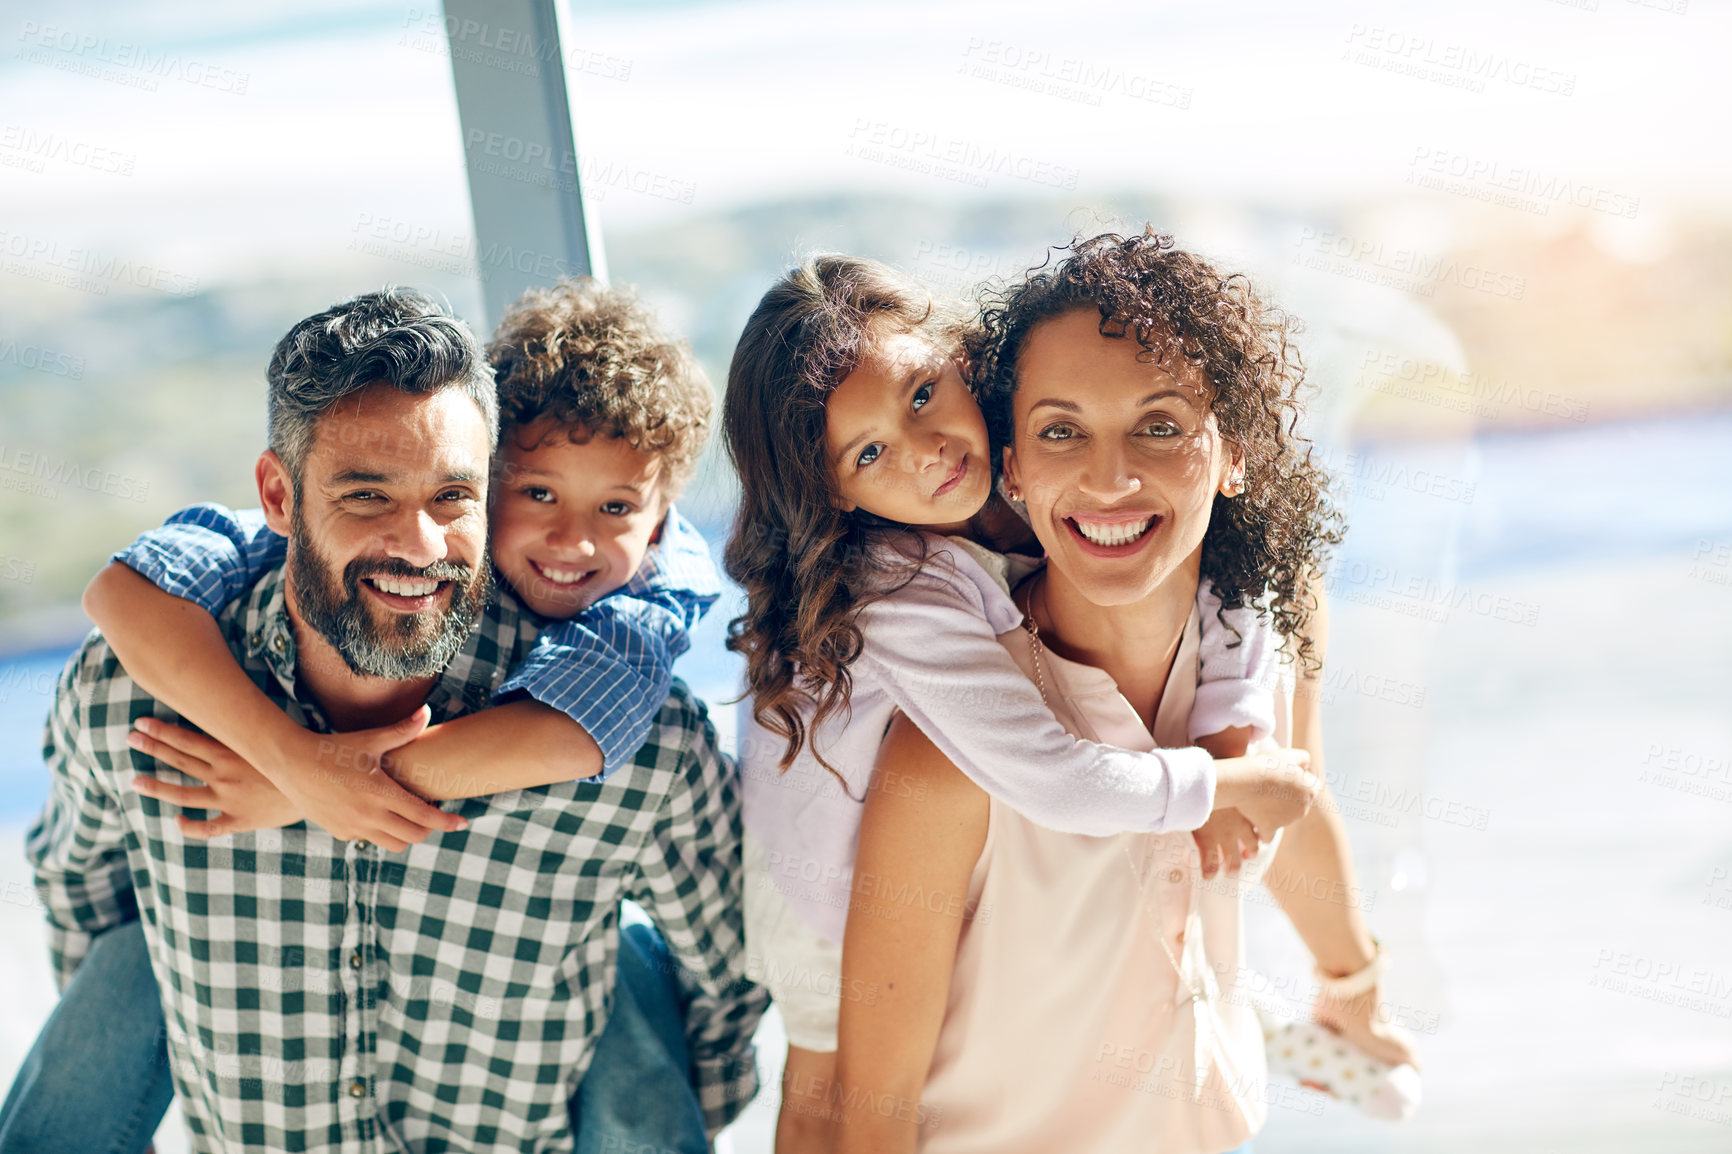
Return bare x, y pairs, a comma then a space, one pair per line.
1037, 650
1196, 978
1037, 585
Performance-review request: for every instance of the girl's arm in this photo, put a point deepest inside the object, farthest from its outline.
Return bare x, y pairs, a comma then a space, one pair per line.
1228, 839
927, 840
1239, 675
1240, 670
1316, 850
933, 648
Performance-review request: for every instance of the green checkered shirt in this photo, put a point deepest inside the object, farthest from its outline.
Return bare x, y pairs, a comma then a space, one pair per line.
323, 995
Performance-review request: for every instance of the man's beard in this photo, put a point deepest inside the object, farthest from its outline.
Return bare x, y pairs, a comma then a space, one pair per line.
409, 645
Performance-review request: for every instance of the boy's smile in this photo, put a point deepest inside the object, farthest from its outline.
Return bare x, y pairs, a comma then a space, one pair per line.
563, 577
572, 519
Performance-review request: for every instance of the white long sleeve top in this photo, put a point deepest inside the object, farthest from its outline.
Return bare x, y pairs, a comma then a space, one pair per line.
932, 652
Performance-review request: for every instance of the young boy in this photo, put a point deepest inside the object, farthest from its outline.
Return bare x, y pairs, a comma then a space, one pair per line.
602, 421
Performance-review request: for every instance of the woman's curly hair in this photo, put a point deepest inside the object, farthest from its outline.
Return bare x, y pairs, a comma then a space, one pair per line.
808, 567
1265, 547
593, 360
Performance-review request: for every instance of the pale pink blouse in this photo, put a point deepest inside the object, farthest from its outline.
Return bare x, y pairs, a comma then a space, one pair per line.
932, 654
1068, 1026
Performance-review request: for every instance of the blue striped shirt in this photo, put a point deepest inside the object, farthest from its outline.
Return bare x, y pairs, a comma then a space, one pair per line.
609, 668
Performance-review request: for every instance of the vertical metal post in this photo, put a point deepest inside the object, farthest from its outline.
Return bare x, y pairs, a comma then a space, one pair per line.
508, 61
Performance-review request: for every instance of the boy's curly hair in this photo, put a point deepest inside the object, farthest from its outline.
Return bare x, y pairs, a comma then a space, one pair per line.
593, 360
1271, 541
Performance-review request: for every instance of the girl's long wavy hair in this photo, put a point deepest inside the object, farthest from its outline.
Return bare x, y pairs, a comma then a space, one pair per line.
1266, 546
807, 567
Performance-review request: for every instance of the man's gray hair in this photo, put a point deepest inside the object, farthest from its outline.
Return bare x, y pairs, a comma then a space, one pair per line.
400, 336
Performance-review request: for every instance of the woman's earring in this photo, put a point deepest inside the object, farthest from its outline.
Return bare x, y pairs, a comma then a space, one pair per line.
1233, 486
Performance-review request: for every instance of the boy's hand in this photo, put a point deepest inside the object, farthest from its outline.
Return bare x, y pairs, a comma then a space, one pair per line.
1272, 789
340, 784
245, 797
1227, 839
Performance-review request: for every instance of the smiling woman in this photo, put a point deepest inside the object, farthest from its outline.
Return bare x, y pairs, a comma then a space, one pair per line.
1134, 390
1115, 456
1206, 337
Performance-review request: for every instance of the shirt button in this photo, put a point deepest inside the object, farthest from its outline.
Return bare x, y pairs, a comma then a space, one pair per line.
355, 960
277, 643
357, 1089
1175, 875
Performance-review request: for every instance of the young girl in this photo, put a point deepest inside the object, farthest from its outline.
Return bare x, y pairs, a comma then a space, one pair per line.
1143, 404
862, 543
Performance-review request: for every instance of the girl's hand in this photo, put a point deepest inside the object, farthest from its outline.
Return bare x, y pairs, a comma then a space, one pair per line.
1356, 1020
338, 781
1279, 787
1227, 839
244, 796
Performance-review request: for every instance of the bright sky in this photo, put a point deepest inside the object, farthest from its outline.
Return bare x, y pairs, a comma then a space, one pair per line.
347, 112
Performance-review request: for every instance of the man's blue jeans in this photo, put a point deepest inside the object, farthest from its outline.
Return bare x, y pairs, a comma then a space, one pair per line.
97, 1080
